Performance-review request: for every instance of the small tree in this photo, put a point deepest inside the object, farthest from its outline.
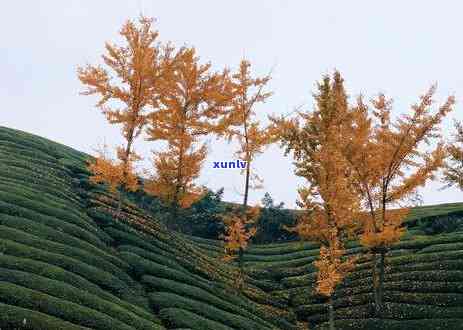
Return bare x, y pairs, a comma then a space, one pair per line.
387, 167
191, 105
238, 232
111, 172
132, 87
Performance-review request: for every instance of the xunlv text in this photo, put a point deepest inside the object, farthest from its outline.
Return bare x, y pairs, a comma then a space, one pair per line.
232, 164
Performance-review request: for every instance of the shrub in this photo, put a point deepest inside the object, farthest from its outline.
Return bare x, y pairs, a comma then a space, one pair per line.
34, 204
13, 317
101, 278
64, 250
170, 300
368, 324
176, 317
19, 296
52, 222
59, 274
160, 284
157, 258
51, 234
67, 292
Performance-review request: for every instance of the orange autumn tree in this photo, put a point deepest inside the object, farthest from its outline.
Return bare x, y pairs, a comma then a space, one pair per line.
112, 172
127, 86
239, 230
388, 165
332, 205
191, 106
241, 124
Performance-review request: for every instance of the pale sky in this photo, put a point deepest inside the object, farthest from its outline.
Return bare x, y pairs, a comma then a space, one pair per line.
395, 47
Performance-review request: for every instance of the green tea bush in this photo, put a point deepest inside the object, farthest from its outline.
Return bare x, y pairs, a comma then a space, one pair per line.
14, 317
26, 298
69, 293
176, 317
163, 300
102, 278
193, 292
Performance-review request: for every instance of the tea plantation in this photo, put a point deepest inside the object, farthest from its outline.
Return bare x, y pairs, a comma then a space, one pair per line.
66, 263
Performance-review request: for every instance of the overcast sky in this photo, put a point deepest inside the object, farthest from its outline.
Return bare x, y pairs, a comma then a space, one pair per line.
395, 47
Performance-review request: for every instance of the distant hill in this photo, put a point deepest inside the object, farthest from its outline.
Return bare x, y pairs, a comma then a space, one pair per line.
65, 263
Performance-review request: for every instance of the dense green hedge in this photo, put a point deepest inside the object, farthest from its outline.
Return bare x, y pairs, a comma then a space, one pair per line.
102, 278
158, 258
176, 317
67, 292
38, 143
281, 264
438, 299
59, 274
20, 296
375, 324
37, 178
68, 228
161, 284
36, 205
163, 300
64, 250
43, 197
58, 193
280, 257
12, 147
14, 317
46, 232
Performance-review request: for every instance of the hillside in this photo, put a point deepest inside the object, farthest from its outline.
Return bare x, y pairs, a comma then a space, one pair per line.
65, 263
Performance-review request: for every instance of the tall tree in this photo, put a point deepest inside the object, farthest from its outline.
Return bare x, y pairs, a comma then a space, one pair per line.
191, 106
241, 124
388, 165
316, 140
128, 85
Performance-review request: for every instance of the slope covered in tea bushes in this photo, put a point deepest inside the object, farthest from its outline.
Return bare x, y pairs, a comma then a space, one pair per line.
67, 263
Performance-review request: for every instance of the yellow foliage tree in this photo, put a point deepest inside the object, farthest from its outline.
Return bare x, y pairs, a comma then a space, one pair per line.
111, 172
332, 205
128, 85
240, 123
238, 232
191, 105
387, 167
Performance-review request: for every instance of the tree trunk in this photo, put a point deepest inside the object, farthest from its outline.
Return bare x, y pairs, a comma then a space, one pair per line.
377, 302
119, 203
246, 184
381, 279
331, 313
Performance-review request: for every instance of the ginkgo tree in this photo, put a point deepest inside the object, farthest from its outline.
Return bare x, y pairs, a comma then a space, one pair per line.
239, 229
192, 104
316, 139
388, 164
128, 86
240, 124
